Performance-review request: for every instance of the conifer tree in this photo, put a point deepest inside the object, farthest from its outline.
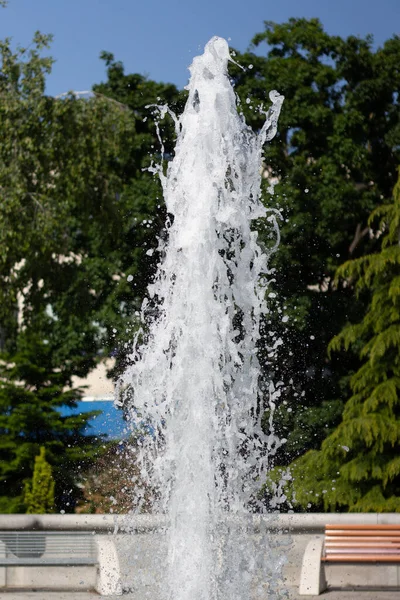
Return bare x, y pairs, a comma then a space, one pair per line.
358, 466
39, 493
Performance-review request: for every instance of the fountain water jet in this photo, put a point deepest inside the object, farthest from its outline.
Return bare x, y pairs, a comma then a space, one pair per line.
194, 383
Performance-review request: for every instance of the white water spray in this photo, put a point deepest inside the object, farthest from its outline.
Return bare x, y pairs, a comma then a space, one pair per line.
194, 383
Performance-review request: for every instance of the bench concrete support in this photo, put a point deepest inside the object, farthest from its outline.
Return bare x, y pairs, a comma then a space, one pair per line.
109, 573
3, 570
312, 577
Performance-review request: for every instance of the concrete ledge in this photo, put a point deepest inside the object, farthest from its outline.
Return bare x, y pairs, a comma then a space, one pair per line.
288, 523
92, 523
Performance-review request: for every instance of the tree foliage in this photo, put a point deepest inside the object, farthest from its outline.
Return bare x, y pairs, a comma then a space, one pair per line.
73, 228
56, 174
33, 389
358, 466
39, 494
80, 217
334, 160
142, 210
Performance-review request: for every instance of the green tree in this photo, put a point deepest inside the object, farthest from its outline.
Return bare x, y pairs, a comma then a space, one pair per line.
334, 160
358, 466
73, 227
142, 209
39, 493
56, 177
33, 391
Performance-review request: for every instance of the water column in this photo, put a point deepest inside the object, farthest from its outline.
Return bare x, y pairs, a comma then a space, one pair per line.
195, 381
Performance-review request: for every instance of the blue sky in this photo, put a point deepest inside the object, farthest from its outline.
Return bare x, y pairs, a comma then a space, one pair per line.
159, 38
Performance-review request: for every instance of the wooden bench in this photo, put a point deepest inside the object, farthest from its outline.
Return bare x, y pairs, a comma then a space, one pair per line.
361, 544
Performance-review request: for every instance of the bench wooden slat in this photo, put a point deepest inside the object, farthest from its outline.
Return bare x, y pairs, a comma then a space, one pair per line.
360, 527
362, 544
364, 541
362, 551
361, 558
362, 532
377, 536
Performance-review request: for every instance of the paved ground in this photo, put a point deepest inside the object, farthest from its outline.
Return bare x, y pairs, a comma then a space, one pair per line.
43, 595
331, 595
350, 595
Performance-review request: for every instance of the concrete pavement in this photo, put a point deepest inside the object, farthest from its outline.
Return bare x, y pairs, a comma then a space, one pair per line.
329, 595
344, 594
44, 595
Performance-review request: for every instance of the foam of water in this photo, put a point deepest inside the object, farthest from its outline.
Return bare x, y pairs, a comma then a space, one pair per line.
195, 380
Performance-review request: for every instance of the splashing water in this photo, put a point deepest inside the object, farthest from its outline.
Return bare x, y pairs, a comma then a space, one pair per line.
195, 381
